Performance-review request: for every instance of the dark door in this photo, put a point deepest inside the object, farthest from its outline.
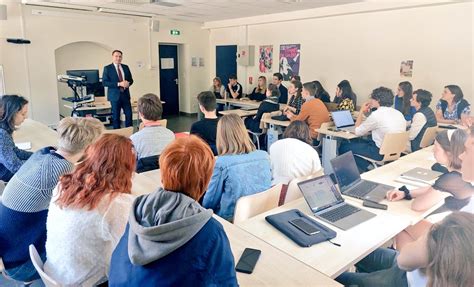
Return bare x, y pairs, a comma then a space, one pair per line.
169, 92
226, 62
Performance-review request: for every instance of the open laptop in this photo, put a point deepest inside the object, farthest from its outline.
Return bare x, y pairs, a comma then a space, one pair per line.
421, 174
327, 204
343, 120
350, 183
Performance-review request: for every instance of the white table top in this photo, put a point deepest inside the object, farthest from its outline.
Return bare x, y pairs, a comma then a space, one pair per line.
356, 243
239, 112
40, 135
276, 123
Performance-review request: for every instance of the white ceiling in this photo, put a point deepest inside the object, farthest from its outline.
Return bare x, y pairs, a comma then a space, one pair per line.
200, 10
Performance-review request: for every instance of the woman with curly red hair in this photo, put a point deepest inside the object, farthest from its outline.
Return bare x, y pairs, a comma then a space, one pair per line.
89, 211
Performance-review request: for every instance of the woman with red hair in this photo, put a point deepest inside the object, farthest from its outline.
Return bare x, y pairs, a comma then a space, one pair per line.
89, 211
171, 240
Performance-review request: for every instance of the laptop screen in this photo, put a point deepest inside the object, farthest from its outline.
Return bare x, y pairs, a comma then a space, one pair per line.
320, 193
342, 118
345, 169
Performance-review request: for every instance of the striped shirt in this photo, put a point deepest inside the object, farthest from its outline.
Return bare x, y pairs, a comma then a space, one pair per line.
151, 140
30, 189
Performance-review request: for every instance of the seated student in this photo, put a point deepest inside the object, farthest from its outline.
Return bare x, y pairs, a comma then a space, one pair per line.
296, 99
207, 127
293, 156
313, 112
345, 97
277, 79
467, 165
240, 170
267, 106
321, 92
26, 198
402, 100
152, 139
449, 145
13, 111
234, 88
383, 120
171, 240
423, 118
295, 78
89, 211
258, 93
217, 88
452, 108
442, 257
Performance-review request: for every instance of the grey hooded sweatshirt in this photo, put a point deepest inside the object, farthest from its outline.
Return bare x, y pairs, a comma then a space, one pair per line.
162, 222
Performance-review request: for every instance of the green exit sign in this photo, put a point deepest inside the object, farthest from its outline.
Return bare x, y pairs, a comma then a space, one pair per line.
175, 32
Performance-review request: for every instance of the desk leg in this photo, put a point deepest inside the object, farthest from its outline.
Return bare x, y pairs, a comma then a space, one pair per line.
329, 152
272, 135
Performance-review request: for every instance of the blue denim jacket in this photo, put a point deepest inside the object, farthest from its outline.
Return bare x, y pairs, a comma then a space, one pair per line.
235, 176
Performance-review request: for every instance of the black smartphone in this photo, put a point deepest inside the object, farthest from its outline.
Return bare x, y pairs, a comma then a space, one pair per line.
248, 260
372, 204
304, 226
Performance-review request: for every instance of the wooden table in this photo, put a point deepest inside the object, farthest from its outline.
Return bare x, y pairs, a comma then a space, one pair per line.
239, 103
356, 243
40, 135
241, 113
274, 267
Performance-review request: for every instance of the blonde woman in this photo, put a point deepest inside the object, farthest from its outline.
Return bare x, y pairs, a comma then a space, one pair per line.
217, 88
240, 169
259, 92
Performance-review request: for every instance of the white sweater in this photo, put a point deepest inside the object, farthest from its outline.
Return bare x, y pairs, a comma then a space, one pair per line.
80, 242
292, 158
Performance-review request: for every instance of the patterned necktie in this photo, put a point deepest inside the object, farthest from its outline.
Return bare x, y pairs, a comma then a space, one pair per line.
120, 77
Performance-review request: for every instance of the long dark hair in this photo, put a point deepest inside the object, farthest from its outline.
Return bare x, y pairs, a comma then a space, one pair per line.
407, 89
298, 86
346, 91
456, 90
320, 91
10, 105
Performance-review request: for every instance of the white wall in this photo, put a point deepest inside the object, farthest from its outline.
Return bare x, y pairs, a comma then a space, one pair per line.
366, 47
33, 73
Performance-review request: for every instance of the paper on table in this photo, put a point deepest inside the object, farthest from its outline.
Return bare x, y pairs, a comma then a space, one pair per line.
24, 145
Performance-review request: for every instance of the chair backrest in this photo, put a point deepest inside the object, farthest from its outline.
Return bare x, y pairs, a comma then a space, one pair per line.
252, 205
148, 163
429, 137
163, 123
331, 106
126, 132
294, 191
38, 263
393, 145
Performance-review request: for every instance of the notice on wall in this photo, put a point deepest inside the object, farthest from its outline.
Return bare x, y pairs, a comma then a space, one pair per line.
167, 63
194, 61
406, 69
289, 60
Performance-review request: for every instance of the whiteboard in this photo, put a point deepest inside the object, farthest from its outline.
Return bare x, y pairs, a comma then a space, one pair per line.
2, 82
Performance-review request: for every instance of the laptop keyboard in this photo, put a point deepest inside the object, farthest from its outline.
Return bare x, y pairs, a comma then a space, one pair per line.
339, 213
363, 189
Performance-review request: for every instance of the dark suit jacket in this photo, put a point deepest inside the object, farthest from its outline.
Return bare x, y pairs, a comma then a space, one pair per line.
283, 94
110, 80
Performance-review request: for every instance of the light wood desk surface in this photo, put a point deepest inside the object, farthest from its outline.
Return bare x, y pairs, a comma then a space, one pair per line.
239, 112
274, 267
276, 123
39, 134
356, 243
337, 134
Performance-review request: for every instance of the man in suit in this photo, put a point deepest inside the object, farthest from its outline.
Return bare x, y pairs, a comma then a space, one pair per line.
118, 78
277, 79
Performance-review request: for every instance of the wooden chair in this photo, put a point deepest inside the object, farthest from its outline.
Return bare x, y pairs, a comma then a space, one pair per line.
293, 192
252, 205
331, 106
392, 147
163, 123
429, 137
263, 126
126, 132
38, 263
320, 136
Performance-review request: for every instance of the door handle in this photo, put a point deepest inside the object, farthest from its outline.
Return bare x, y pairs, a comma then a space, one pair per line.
176, 81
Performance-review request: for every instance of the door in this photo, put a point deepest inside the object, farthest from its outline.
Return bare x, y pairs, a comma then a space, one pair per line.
226, 62
169, 82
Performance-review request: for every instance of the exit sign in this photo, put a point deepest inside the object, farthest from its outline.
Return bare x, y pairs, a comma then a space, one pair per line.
175, 32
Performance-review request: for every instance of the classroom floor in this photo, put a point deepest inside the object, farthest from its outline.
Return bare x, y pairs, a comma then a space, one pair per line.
181, 123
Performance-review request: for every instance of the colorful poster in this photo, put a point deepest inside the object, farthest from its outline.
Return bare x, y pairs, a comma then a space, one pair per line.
266, 58
406, 69
289, 60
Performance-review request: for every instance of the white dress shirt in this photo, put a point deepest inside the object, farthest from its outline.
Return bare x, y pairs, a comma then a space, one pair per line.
383, 120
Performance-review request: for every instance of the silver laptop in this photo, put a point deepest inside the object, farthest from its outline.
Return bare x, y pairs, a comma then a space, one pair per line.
343, 120
421, 174
327, 204
350, 183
